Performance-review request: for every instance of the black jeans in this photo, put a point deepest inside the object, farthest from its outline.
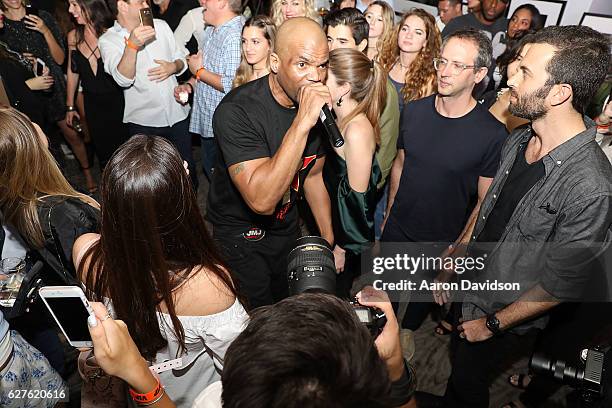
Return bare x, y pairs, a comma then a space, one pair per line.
180, 137
475, 365
259, 265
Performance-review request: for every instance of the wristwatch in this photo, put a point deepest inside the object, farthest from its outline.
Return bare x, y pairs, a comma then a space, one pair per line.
493, 324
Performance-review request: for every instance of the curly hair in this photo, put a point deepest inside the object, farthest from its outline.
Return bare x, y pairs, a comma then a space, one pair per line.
276, 14
421, 73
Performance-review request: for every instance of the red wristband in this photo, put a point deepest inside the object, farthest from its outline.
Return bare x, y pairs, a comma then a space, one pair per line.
131, 45
198, 72
149, 397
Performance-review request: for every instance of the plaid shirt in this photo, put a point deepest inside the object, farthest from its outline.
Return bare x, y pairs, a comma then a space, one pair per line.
222, 53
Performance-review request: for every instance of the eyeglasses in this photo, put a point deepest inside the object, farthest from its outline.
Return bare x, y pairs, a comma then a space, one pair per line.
456, 67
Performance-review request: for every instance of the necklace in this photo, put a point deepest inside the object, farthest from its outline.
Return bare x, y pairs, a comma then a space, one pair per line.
402, 65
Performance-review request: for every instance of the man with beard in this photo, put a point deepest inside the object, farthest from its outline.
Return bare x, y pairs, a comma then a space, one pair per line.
551, 199
269, 154
489, 18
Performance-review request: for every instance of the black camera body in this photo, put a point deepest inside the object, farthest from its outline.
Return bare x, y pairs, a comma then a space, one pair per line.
373, 318
311, 268
591, 378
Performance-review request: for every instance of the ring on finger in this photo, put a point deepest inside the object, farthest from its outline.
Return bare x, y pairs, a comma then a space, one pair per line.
108, 316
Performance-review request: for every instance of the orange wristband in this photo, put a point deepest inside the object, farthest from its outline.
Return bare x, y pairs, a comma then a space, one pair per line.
131, 45
198, 72
149, 397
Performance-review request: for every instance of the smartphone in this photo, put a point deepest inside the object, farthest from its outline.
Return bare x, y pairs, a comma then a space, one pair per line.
40, 67
31, 10
146, 17
70, 309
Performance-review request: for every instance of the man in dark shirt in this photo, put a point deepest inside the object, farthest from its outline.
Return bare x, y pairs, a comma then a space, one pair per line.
171, 11
448, 153
269, 151
490, 19
546, 227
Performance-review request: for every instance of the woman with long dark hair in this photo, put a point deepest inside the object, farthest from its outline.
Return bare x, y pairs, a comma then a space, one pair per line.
156, 263
408, 56
35, 33
103, 98
358, 89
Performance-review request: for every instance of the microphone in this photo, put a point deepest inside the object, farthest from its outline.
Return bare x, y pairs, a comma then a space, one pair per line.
331, 127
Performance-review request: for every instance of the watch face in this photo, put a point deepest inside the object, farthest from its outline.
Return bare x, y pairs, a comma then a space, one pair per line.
493, 324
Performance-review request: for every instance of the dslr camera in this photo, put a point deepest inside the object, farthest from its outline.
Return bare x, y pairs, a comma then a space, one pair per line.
311, 268
590, 379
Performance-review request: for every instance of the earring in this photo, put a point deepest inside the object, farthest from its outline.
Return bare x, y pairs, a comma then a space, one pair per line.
339, 103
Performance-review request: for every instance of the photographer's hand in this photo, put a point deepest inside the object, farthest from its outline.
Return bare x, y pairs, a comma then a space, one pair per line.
388, 341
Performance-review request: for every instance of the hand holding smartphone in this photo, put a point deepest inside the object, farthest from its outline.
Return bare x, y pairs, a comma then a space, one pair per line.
70, 309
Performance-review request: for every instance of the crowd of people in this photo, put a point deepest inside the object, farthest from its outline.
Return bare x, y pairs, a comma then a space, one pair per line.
458, 130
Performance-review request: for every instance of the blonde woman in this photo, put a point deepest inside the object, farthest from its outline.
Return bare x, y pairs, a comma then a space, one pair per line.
380, 17
358, 88
285, 9
37, 200
258, 36
408, 56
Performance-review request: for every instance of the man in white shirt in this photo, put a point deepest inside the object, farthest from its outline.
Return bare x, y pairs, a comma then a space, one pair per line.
145, 61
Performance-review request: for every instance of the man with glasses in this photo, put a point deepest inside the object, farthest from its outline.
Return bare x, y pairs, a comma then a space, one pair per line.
448, 153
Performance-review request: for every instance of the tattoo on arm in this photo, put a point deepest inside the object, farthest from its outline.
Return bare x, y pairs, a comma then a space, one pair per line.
238, 169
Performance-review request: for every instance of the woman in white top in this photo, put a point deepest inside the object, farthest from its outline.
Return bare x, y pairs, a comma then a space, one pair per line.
155, 261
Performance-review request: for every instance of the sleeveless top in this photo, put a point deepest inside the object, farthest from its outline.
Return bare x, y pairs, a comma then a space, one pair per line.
93, 82
352, 211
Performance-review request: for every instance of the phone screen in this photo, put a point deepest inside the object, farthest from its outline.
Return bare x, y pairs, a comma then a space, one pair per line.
72, 316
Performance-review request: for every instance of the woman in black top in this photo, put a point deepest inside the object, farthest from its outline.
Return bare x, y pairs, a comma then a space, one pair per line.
38, 36
104, 103
19, 82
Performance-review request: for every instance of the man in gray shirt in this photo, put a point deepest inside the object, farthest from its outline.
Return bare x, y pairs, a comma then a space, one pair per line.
548, 232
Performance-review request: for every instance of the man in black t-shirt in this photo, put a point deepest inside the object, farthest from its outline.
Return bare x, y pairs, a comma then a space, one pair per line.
269, 151
448, 153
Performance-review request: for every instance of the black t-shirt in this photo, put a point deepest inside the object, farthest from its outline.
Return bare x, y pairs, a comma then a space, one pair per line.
249, 124
521, 178
444, 157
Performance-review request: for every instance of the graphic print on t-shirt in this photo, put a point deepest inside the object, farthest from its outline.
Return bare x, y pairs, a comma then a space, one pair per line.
294, 187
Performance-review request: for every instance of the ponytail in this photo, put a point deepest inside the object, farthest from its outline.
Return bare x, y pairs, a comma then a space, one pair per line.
368, 81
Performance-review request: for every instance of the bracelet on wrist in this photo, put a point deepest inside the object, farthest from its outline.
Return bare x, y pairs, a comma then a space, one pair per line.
198, 72
70, 108
131, 45
148, 398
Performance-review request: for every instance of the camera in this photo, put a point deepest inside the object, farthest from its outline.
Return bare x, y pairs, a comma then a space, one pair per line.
591, 378
311, 268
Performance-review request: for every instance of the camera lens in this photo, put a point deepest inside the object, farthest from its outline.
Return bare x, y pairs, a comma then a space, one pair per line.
558, 369
311, 267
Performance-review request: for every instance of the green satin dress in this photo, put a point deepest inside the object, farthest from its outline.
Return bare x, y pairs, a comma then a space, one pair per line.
352, 212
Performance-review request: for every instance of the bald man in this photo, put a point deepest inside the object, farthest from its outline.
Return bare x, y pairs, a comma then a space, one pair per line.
270, 146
